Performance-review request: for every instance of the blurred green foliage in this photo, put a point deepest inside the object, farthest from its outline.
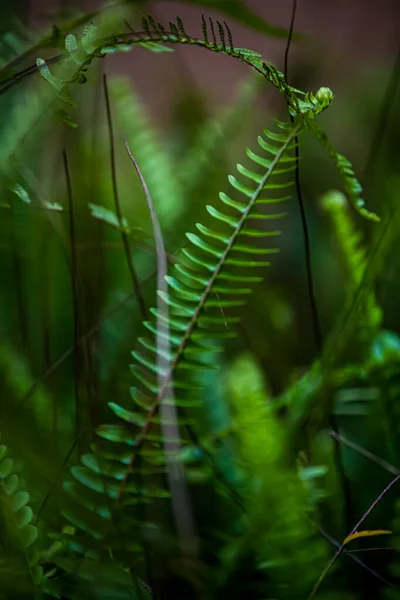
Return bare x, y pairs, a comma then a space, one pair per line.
280, 447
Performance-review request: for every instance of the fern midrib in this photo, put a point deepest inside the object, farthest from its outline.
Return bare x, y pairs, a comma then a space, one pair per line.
192, 324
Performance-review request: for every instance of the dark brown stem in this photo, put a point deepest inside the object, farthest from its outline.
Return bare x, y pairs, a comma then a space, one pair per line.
74, 289
124, 236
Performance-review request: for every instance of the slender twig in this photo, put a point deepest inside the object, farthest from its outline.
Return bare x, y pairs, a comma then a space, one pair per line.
352, 532
169, 416
125, 240
310, 285
307, 245
289, 39
379, 461
349, 553
307, 253
383, 120
74, 289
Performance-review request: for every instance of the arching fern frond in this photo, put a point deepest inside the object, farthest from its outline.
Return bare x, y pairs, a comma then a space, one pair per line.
216, 275
300, 104
153, 33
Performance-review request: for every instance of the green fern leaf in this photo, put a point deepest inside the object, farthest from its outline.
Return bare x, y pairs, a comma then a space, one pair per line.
17, 530
197, 293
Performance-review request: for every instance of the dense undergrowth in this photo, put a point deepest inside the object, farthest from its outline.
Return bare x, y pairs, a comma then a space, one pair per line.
177, 419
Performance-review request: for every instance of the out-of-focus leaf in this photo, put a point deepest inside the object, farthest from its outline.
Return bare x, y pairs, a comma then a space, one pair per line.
5, 468
138, 234
108, 216
22, 193
307, 473
366, 533
53, 206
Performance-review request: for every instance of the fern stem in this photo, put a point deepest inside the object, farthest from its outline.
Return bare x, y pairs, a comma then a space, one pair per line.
136, 37
74, 289
307, 245
307, 254
135, 281
28, 71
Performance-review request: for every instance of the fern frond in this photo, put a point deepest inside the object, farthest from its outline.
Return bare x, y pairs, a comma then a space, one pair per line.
352, 186
192, 304
147, 146
18, 556
306, 108
153, 33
